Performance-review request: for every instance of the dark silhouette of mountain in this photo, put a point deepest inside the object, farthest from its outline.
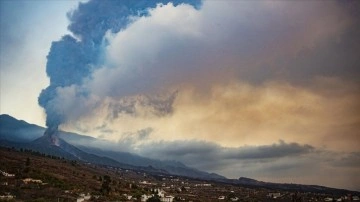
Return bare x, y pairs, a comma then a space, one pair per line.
173, 167
20, 134
15, 130
20, 131
68, 151
252, 183
245, 180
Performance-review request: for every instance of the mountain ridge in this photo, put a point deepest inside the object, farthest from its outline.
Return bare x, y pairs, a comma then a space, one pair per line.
31, 136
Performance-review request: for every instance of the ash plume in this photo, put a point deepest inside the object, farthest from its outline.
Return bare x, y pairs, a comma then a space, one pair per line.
121, 55
72, 59
52, 136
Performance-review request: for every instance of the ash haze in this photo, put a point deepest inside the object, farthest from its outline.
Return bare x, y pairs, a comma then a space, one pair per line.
263, 89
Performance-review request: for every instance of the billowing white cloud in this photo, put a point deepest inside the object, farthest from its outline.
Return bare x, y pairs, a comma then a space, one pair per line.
238, 114
223, 40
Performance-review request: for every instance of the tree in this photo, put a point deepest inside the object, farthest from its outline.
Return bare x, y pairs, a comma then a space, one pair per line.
105, 186
154, 199
231, 195
183, 189
27, 161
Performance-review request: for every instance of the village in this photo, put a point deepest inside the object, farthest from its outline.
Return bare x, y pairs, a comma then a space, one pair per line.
29, 176
167, 189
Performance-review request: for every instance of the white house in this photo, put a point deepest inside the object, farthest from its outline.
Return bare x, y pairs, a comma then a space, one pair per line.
167, 199
7, 174
160, 192
30, 180
145, 197
234, 199
274, 195
7, 196
145, 182
83, 197
202, 185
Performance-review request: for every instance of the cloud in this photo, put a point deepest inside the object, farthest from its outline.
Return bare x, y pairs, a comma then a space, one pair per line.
158, 105
192, 151
240, 113
281, 149
191, 46
277, 162
73, 59
216, 58
351, 159
221, 41
286, 162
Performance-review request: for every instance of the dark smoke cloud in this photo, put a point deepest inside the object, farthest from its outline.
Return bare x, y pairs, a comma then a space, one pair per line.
282, 149
73, 58
193, 151
216, 158
159, 105
93, 19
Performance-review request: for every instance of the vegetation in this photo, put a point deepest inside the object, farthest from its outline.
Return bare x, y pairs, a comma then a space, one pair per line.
154, 199
58, 179
105, 186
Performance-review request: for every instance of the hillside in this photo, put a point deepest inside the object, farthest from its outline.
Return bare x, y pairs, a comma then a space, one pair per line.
20, 134
40, 177
63, 179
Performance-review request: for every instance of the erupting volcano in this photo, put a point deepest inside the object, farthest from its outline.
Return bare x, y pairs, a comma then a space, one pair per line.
51, 134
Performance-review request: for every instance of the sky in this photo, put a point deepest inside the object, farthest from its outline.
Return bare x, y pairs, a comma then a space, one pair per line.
261, 89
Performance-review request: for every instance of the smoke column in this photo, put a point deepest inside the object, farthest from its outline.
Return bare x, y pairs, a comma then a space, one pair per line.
73, 58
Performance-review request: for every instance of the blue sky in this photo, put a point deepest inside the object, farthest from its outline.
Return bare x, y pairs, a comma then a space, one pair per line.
27, 30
